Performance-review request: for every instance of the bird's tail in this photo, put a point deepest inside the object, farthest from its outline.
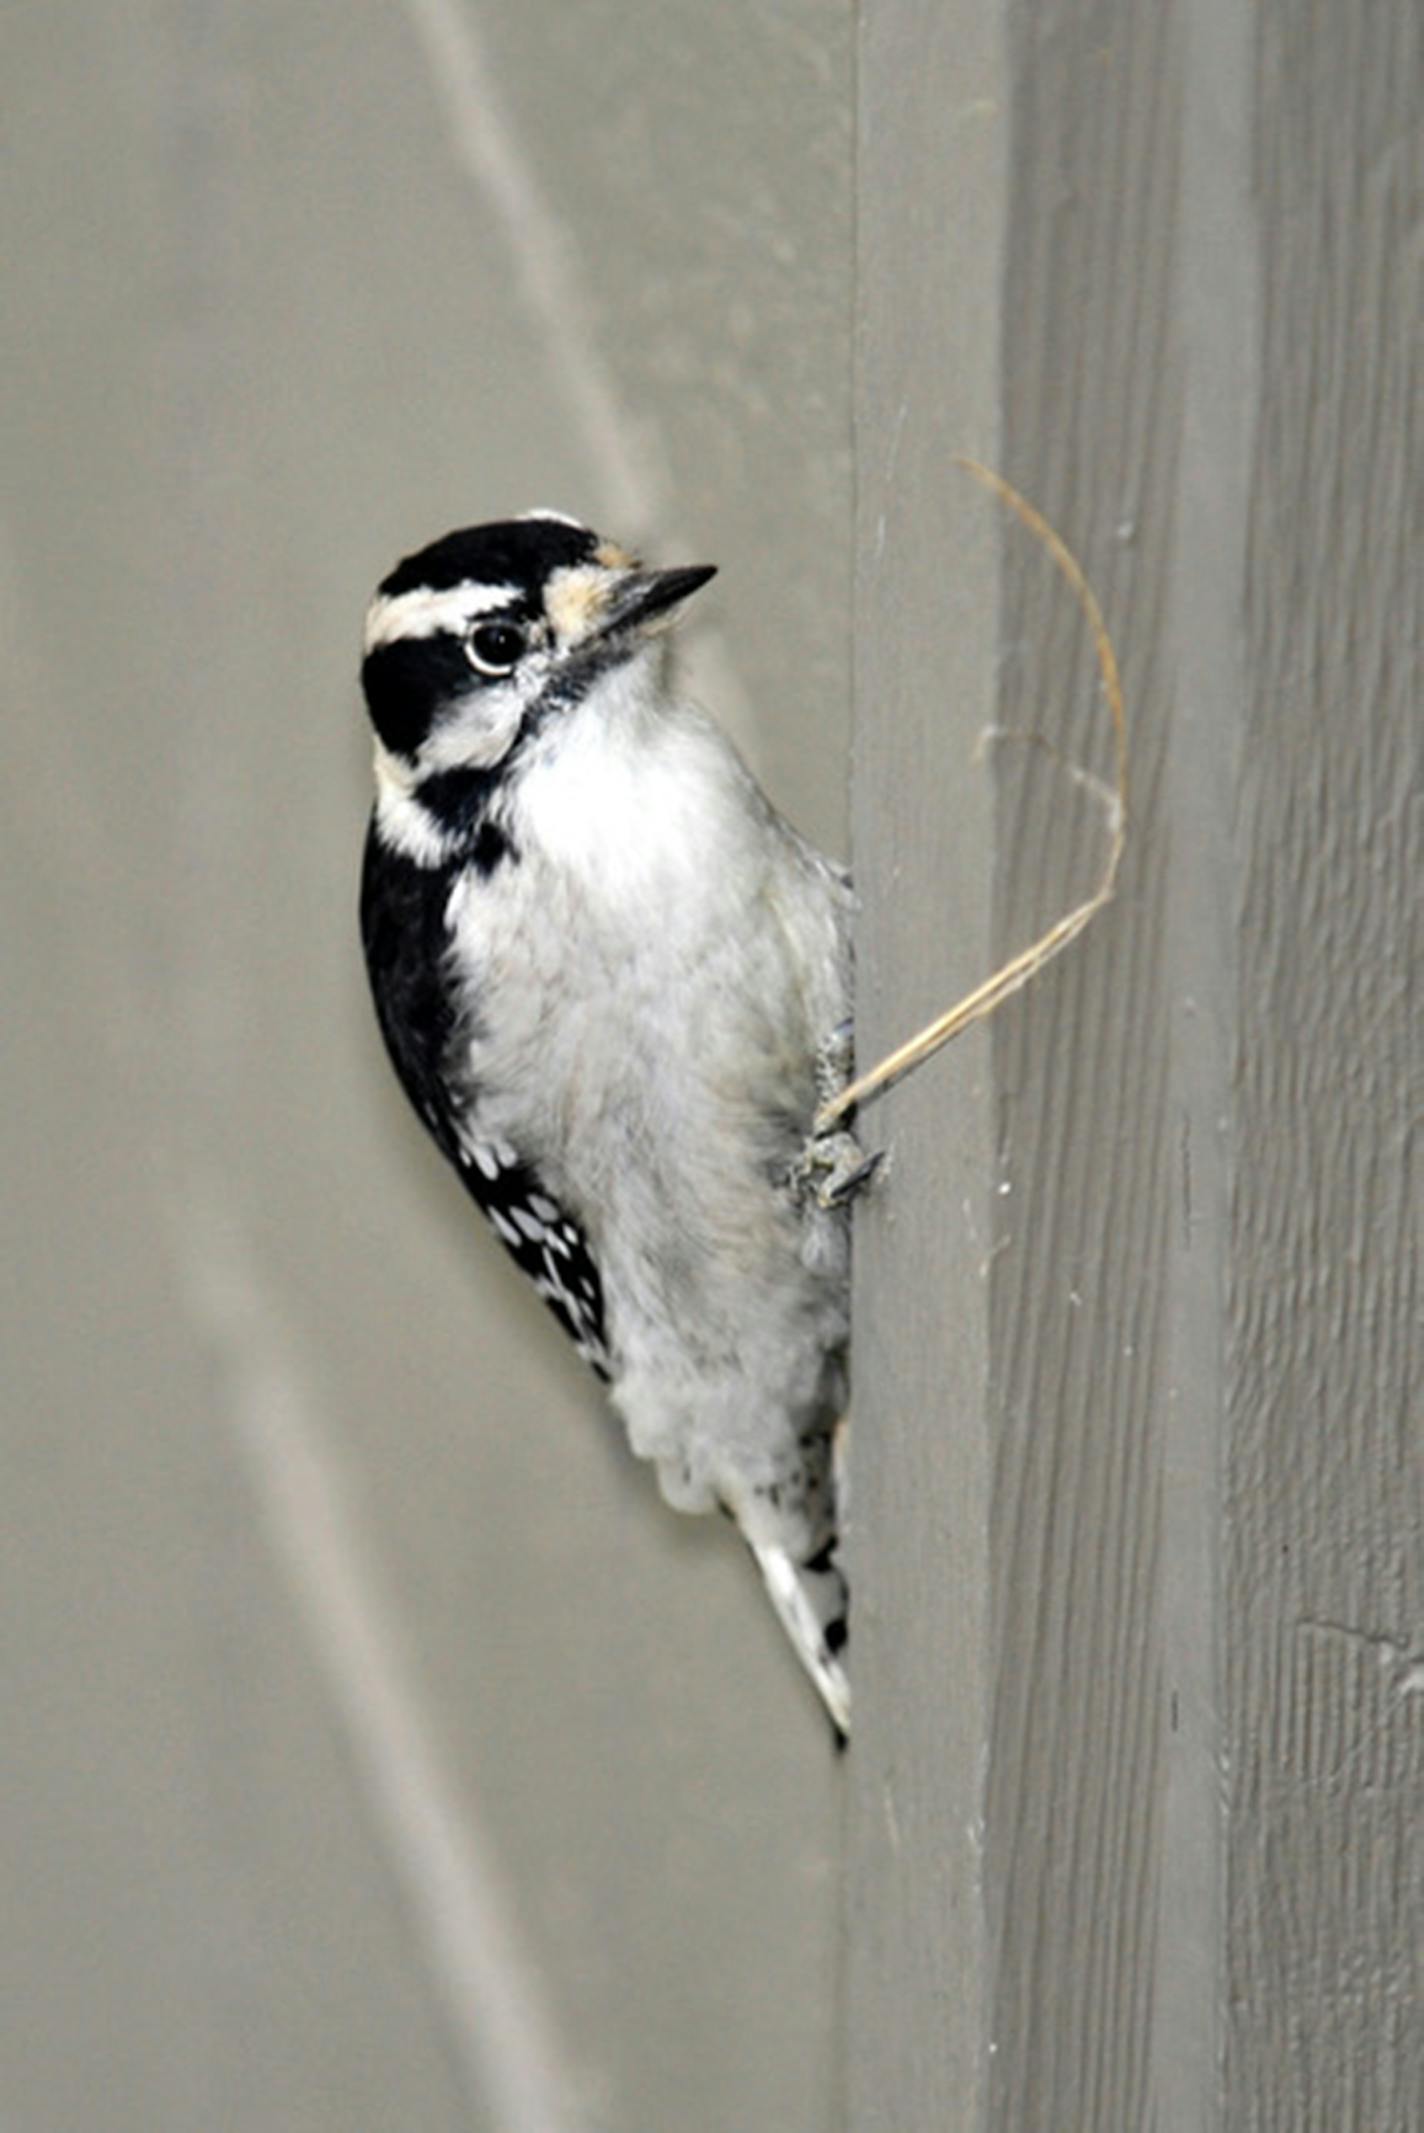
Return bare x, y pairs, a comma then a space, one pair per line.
811, 1600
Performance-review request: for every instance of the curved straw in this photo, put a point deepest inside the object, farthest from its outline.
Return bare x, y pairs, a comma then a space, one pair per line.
1016, 973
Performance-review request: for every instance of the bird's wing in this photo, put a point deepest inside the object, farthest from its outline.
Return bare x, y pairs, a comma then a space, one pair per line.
405, 935
544, 1241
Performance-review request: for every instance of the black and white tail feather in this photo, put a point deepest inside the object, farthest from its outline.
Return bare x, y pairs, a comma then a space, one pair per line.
614, 984
810, 1600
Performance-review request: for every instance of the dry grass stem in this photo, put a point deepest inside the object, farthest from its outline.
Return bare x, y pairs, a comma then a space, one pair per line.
1003, 983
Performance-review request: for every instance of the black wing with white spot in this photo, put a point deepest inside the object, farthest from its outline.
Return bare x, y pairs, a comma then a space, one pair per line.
406, 940
542, 1240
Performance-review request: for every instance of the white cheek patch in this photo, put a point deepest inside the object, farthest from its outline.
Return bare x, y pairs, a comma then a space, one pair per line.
423, 612
479, 730
404, 824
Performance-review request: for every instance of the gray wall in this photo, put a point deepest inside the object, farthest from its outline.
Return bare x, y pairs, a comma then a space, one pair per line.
1139, 1548
377, 1750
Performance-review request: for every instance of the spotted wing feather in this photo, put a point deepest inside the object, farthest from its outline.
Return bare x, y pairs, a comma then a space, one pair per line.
541, 1239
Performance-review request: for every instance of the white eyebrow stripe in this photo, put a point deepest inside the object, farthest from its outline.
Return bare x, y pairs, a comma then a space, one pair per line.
422, 612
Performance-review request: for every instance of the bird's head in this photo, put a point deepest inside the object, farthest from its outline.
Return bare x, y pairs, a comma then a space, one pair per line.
483, 634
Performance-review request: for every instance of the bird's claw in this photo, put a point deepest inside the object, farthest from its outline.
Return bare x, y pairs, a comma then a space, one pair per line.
832, 1168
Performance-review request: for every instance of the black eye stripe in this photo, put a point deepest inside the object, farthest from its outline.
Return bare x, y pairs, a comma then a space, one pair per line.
405, 680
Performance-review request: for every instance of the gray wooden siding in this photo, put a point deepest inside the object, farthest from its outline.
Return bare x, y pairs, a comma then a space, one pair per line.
1196, 1676
931, 134
1323, 1473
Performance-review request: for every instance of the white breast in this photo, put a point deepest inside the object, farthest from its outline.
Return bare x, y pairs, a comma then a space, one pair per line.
661, 944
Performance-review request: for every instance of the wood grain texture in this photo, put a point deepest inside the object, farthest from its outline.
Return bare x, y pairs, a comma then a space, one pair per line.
1215, 297
1201, 1680
930, 191
1324, 1555
1091, 387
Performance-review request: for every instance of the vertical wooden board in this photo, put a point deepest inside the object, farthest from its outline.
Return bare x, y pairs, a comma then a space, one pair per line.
1324, 1536
1091, 420
929, 190
1216, 287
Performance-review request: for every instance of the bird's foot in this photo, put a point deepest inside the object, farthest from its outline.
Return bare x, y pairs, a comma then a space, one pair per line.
832, 1168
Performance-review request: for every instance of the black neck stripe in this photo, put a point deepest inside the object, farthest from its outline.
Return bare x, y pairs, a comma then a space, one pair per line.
462, 803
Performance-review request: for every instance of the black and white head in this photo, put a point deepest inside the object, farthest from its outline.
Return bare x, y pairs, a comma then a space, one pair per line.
485, 637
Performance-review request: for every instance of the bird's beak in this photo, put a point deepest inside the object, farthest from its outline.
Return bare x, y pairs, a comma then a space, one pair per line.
645, 594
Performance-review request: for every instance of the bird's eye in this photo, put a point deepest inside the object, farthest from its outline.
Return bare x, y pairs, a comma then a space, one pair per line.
495, 647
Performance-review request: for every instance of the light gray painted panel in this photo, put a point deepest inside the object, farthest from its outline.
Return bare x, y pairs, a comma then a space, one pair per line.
1091, 413
1201, 1653
927, 557
351, 1650
1215, 294
1324, 1532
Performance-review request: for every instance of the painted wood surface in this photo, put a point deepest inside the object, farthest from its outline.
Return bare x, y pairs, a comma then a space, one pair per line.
927, 546
1191, 1468
1323, 1518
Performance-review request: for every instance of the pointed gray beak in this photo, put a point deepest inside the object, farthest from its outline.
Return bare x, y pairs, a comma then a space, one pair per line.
645, 594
